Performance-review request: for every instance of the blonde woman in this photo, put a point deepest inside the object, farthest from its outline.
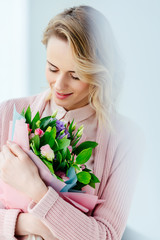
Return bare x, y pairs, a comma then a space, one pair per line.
84, 75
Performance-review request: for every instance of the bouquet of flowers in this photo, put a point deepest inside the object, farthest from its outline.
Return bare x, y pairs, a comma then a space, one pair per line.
60, 159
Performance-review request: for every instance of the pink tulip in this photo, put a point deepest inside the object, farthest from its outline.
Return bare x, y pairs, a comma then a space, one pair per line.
39, 132
31, 135
70, 149
29, 130
47, 152
75, 156
62, 175
83, 167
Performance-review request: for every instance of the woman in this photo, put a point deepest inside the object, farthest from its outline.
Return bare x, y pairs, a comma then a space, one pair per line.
83, 71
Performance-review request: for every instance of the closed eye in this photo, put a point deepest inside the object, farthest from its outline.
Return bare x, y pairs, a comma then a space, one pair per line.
51, 67
76, 78
53, 70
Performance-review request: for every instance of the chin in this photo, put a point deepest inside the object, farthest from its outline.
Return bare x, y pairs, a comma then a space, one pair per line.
60, 103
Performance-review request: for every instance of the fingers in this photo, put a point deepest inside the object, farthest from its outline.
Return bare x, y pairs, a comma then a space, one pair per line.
6, 159
6, 152
17, 150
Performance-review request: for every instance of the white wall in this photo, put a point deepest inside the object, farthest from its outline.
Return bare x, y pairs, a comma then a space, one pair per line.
136, 26
13, 48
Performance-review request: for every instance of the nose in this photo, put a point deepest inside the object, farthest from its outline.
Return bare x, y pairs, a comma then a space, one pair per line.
60, 82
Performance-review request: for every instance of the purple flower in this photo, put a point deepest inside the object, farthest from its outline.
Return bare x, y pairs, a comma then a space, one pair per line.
60, 127
67, 133
64, 134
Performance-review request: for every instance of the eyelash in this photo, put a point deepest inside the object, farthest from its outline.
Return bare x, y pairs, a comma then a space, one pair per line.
75, 78
52, 70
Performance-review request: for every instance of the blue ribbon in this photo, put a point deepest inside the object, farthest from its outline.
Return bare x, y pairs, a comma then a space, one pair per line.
72, 180
16, 116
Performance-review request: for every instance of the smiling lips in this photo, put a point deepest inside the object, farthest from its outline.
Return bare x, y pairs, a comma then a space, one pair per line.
61, 95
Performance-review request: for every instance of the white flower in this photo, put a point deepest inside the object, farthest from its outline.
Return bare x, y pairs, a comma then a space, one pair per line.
47, 152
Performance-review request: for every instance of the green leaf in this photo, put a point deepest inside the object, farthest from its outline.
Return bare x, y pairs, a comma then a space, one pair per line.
34, 148
52, 137
84, 177
94, 178
70, 127
87, 170
84, 145
43, 120
70, 130
59, 157
54, 132
62, 143
61, 166
35, 119
46, 122
72, 158
49, 165
92, 184
74, 143
55, 145
76, 167
84, 156
51, 142
23, 112
36, 140
79, 186
68, 154
49, 138
45, 138
28, 115
64, 153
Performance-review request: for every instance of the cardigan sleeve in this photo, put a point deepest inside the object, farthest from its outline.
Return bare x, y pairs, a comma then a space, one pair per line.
8, 220
108, 220
7, 217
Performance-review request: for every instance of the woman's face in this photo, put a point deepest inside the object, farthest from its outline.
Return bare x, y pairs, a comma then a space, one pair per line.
67, 89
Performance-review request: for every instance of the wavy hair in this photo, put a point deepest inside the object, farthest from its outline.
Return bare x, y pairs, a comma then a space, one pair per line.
95, 52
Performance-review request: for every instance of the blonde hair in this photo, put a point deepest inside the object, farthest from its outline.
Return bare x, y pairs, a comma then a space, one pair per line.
94, 49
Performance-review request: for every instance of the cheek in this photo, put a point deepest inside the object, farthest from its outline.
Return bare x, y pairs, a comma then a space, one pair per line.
83, 88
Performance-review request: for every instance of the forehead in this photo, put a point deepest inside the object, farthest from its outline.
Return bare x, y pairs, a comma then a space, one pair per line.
60, 54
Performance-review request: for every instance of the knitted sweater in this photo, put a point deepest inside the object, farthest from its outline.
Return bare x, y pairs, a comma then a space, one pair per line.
117, 161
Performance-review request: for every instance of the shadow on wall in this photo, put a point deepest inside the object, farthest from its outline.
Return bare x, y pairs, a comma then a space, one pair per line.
130, 234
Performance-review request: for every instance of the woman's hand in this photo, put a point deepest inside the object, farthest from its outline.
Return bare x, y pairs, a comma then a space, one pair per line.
28, 224
19, 171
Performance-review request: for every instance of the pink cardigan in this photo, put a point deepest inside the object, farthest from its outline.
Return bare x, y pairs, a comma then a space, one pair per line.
118, 158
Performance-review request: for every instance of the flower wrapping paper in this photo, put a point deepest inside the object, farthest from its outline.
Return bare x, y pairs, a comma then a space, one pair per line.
13, 199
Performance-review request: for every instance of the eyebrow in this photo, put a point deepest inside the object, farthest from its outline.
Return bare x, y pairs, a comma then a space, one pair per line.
57, 67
